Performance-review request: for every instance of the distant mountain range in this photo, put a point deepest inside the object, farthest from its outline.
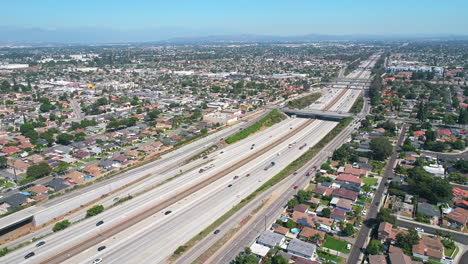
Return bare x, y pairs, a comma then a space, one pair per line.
39, 36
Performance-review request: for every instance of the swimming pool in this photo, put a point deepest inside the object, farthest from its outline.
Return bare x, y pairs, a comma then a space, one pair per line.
88, 177
295, 230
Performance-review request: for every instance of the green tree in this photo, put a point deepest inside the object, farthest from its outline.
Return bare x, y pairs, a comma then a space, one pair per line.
37, 171
381, 148
61, 167
326, 212
434, 189
292, 203
461, 165
463, 117
349, 230
303, 196
61, 225
3, 162
374, 247
65, 139
290, 224
457, 178
385, 215
95, 210
407, 240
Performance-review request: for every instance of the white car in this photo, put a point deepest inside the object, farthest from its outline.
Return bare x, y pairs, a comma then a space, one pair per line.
97, 261
419, 229
348, 246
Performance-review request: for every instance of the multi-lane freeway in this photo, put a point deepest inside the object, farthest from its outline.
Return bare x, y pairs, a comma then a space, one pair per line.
149, 227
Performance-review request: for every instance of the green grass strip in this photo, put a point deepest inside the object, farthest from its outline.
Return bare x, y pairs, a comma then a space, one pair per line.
270, 119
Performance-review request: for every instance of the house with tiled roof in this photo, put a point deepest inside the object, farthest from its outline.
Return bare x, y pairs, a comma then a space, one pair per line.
306, 220
387, 233
458, 217
429, 248
308, 233
346, 194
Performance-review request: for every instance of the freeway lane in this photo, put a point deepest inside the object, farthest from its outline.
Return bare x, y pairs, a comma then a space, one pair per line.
72, 200
237, 244
157, 254
178, 229
232, 153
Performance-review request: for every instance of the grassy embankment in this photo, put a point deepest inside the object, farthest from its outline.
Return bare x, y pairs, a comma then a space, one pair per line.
304, 101
270, 119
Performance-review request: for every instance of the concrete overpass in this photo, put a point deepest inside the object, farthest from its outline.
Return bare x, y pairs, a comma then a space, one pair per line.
347, 83
317, 114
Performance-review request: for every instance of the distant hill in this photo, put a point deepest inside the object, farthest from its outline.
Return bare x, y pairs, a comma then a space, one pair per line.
38, 36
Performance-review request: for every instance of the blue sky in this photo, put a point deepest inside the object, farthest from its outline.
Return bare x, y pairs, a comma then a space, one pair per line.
240, 16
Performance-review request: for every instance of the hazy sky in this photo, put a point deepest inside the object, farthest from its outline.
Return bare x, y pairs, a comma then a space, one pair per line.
286, 17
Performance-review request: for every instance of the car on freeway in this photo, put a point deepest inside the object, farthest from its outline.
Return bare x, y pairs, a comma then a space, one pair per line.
30, 254
99, 223
221, 152
314, 167
217, 231
247, 175
251, 147
419, 229
205, 157
101, 248
296, 187
167, 212
40, 243
97, 261
230, 185
295, 173
116, 199
235, 177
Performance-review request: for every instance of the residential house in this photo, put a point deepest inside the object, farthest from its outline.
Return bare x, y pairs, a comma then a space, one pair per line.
344, 204
57, 184
428, 210
387, 233
306, 220
308, 233
81, 154
429, 248
17, 166
270, 239
377, 259
399, 258
38, 189
349, 179
74, 177
301, 208
346, 194
301, 249
458, 217
92, 170
281, 230
338, 214
109, 164
13, 201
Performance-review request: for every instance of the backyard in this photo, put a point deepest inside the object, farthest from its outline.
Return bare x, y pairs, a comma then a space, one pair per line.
336, 244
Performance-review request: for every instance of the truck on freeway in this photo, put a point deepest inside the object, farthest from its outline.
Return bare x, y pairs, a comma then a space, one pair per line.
270, 165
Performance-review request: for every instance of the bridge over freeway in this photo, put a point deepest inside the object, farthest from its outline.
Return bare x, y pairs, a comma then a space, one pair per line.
347, 83
317, 114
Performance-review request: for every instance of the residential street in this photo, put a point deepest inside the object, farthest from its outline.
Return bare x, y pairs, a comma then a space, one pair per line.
362, 236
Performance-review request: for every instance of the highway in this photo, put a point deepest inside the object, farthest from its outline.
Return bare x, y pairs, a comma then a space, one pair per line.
129, 228
153, 171
252, 230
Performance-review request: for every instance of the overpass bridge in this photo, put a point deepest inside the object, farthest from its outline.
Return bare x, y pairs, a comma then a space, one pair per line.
348, 83
317, 114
